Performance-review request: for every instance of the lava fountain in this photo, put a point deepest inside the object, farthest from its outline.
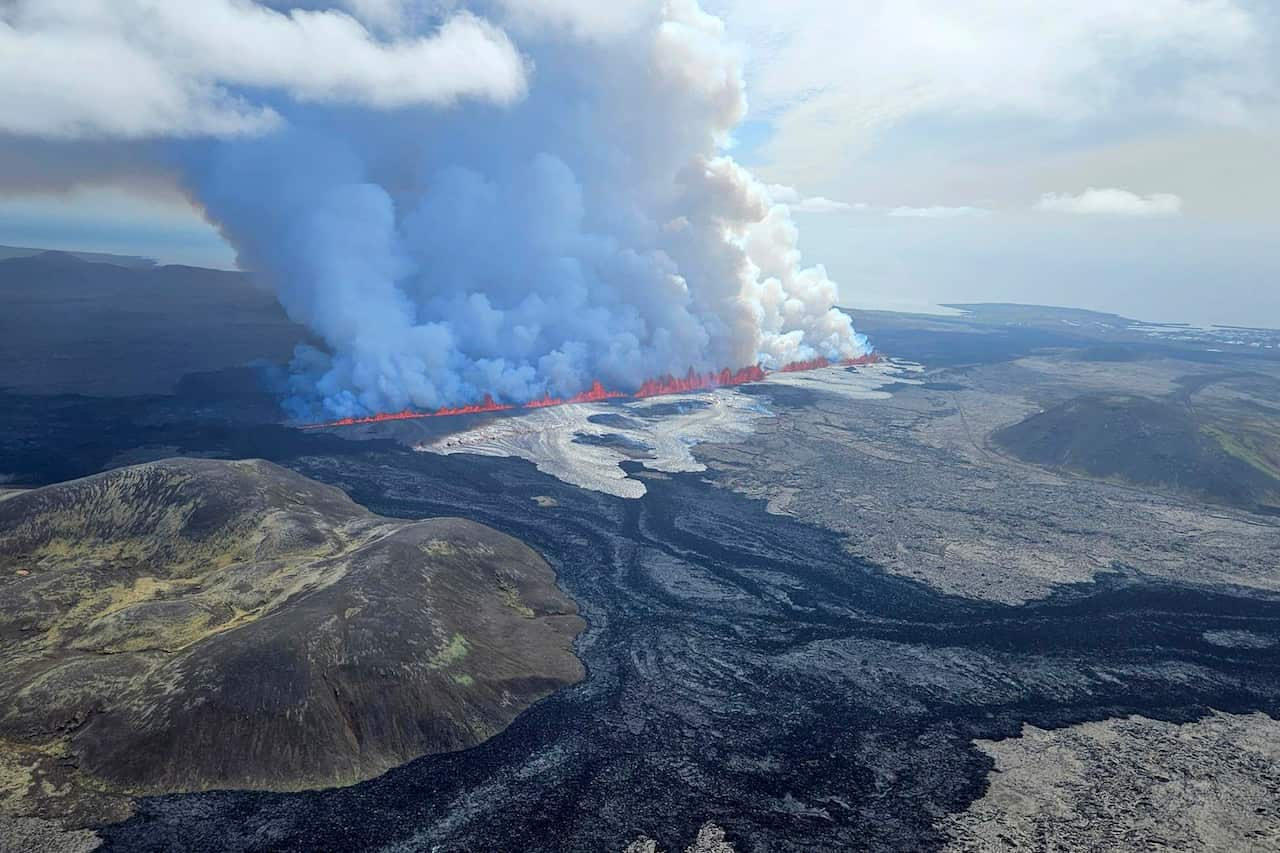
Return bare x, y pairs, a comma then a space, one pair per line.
660, 386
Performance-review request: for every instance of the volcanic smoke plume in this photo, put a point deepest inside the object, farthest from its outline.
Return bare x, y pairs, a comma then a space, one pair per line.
582, 225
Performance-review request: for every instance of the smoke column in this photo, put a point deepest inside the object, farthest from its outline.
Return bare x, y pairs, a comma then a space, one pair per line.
591, 228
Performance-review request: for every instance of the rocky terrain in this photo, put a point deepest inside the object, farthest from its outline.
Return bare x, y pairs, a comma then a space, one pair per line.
745, 669
1130, 784
1145, 442
710, 839
585, 444
194, 624
818, 634
917, 484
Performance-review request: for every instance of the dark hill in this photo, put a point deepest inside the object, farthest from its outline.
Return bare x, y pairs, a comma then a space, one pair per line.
195, 624
131, 261
68, 325
1142, 441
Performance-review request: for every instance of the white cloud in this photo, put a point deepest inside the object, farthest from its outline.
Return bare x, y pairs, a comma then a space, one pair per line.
783, 194
790, 196
830, 74
1111, 202
937, 212
138, 68
822, 204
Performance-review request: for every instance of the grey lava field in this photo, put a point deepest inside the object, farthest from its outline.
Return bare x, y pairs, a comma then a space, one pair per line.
831, 611
742, 668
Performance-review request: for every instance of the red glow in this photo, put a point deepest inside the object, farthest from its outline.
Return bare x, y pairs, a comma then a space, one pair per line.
691, 381
699, 381
545, 402
595, 394
372, 419
487, 405
803, 366
862, 360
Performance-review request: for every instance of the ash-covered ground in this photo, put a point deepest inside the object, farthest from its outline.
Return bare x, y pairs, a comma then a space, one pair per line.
776, 643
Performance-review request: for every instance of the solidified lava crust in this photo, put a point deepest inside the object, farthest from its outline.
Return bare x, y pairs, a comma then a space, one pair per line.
744, 669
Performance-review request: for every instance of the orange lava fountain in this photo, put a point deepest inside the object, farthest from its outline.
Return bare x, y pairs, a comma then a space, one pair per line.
862, 360
483, 407
691, 381
698, 382
803, 366
595, 394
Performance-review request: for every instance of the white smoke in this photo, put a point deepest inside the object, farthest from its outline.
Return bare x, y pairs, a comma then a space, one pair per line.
581, 221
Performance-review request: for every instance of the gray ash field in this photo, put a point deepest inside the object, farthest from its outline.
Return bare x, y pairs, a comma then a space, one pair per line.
778, 643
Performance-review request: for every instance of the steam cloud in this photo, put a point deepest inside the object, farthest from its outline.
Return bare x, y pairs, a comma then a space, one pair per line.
580, 222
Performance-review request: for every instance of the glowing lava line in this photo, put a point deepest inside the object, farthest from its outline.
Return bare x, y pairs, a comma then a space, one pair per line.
595, 394
661, 386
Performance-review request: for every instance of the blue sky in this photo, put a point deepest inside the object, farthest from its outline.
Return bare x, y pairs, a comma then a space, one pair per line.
1151, 127
117, 221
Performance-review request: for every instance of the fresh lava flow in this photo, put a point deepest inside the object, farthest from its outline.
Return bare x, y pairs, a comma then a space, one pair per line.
691, 381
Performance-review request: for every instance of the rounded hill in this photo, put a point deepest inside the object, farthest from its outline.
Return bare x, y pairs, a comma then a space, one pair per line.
194, 624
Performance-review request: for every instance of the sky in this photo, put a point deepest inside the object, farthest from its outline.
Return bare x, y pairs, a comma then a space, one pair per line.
1121, 156
1106, 154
